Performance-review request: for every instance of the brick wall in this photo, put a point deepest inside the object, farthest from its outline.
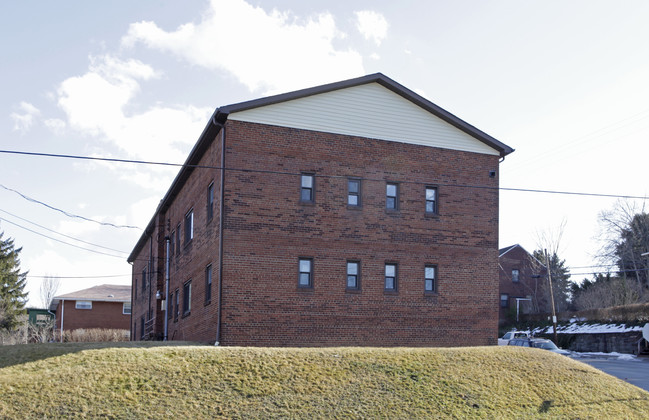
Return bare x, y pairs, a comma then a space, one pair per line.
102, 315
267, 229
532, 282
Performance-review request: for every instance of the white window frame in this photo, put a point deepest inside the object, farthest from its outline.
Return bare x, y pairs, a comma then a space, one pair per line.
83, 304
124, 310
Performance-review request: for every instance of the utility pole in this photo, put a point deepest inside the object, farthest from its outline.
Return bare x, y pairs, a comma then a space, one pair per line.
554, 314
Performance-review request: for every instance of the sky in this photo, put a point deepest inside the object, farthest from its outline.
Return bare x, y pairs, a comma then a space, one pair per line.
563, 83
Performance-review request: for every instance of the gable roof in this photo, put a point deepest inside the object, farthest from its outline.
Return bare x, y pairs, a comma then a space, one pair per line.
103, 293
503, 251
221, 114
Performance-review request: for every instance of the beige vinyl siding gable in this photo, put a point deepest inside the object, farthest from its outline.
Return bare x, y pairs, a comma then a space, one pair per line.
368, 110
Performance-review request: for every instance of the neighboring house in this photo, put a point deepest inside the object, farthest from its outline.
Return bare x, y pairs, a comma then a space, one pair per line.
40, 317
522, 278
107, 306
353, 213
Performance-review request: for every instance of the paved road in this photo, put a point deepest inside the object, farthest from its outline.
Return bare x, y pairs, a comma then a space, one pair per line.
634, 371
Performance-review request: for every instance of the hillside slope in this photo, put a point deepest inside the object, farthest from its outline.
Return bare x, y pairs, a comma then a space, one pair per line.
153, 381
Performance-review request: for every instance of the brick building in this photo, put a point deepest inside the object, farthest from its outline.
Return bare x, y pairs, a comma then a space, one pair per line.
353, 213
107, 306
522, 277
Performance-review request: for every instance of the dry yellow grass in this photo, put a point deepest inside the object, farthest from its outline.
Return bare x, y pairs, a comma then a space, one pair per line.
127, 380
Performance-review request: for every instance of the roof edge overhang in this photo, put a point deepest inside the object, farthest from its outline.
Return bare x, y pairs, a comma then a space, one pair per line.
210, 131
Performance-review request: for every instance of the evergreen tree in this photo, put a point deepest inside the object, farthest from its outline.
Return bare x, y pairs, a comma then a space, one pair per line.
12, 285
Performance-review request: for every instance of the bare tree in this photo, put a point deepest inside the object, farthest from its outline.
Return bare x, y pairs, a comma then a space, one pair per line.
624, 235
49, 287
550, 240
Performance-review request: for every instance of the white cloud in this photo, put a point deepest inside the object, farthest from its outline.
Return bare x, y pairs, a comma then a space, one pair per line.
23, 121
372, 25
57, 126
95, 104
272, 52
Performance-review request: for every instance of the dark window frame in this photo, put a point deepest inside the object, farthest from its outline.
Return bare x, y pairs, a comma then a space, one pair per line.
309, 285
435, 201
395, 197
516, 278
170, 306
189, 226
135, 289
208, 284
310, 190
356, 194
187, 298
178, 235
143, 280
357, 276
142, 327
177, 305
504, 303
395, 278
172, 243
434, 279
210, 201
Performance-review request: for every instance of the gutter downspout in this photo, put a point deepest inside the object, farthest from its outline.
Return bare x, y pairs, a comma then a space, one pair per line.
149, 274
62, 316
221, 217
166, 291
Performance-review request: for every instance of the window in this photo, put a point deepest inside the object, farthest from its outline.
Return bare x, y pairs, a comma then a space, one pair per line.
170, 305
208, 284
430, 274
83, 304
135, 289
353, 275
144, 280
189, 226
187, 298
210, 202
142, 326
354, 192
391, 277
177, 305
431, 200
172, 243
307, 188
515, 276
391, 196
126, 308
504, 300
178, 239
305, 278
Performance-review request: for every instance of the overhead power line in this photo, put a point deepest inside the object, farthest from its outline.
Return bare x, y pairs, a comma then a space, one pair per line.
144, 162
60, 241
33, 200
62, 234
78, 277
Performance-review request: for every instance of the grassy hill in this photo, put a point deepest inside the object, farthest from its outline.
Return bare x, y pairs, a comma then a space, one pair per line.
154, 380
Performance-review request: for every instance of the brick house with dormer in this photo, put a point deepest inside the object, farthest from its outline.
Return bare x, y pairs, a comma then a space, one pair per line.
355, 213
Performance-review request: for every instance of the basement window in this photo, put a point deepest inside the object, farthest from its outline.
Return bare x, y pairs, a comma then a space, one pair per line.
83, 304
